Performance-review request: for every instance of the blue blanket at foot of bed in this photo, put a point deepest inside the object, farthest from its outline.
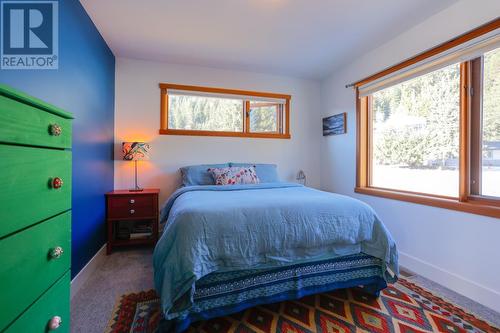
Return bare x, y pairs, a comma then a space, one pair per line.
259, 226
219, 294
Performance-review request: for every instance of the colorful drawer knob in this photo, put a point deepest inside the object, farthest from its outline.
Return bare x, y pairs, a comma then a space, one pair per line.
56, 252
57, 183
55, 130
54, 323
132, 211
132, 201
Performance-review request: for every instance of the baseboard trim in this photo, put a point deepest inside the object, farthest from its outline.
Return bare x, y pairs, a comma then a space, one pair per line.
83, 275
481, 294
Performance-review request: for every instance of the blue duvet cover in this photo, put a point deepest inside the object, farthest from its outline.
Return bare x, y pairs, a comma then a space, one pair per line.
230, 228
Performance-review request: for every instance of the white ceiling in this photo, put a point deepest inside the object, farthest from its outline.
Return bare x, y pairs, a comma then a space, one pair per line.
304, 38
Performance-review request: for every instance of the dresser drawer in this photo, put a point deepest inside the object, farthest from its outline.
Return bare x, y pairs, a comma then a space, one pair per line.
28, 125
29, 266
55, 302
27, 191
132, 206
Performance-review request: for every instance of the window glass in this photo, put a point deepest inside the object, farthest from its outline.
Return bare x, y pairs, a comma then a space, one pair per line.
490, 178
205, 113
415, 134
264, 117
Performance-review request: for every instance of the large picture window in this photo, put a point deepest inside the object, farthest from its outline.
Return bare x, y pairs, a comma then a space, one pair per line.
415, 134
485, 109
191, 110
428, 129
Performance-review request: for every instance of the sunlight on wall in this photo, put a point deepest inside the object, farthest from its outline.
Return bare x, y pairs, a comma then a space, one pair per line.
132, 135
126, 168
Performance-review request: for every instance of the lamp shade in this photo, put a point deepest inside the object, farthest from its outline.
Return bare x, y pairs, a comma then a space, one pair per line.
135, 151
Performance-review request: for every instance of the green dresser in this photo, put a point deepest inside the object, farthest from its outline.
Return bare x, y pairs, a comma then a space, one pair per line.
35, 219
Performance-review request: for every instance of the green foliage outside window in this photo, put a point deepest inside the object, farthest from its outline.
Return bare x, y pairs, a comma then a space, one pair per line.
263, 119
416, 122
491, 96
205, 113
218, 114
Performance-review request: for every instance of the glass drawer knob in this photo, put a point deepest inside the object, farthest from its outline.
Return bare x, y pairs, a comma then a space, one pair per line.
56, 252
55, 130
132, 211
132, 201
54, 323
57, 183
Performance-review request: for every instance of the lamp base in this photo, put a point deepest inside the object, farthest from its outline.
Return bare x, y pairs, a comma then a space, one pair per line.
136, 188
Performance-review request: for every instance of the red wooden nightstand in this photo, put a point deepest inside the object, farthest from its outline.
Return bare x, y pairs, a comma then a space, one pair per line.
132, 218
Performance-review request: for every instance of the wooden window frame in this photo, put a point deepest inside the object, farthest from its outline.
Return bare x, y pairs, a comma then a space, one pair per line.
284, 128
467, 199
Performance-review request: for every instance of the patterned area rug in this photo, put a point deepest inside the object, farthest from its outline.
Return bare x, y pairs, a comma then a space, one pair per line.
403, 307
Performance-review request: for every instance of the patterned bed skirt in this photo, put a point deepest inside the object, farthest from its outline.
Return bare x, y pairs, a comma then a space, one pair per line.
220, 294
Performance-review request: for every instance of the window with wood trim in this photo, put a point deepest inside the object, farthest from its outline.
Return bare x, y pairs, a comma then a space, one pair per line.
428, 129
193, 110
485, 125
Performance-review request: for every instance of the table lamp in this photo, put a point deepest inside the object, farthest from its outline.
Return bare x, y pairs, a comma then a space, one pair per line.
135, 151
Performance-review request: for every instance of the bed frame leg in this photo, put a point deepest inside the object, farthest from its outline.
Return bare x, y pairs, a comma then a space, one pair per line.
165, 326
374, 288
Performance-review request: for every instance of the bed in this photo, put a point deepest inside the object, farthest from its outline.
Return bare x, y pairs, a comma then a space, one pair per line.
228, 248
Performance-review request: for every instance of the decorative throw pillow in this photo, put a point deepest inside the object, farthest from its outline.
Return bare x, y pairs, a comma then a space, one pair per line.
267, 173
234, 175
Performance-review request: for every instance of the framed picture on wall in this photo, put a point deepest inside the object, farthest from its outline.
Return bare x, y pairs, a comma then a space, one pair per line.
335, 124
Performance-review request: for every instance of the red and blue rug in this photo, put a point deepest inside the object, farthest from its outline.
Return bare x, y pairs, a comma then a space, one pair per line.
403, 307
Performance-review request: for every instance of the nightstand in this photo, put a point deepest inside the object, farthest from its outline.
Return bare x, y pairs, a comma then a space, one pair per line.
132, 218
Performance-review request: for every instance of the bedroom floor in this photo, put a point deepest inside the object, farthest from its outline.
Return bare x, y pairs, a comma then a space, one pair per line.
132, 271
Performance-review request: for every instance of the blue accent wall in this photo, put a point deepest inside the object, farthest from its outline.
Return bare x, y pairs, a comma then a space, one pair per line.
84, 85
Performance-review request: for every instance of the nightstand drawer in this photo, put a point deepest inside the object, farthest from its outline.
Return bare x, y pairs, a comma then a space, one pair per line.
31, 264
29, 191
132, 206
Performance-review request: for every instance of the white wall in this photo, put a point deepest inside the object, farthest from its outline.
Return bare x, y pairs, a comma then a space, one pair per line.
458, 250
137, 117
